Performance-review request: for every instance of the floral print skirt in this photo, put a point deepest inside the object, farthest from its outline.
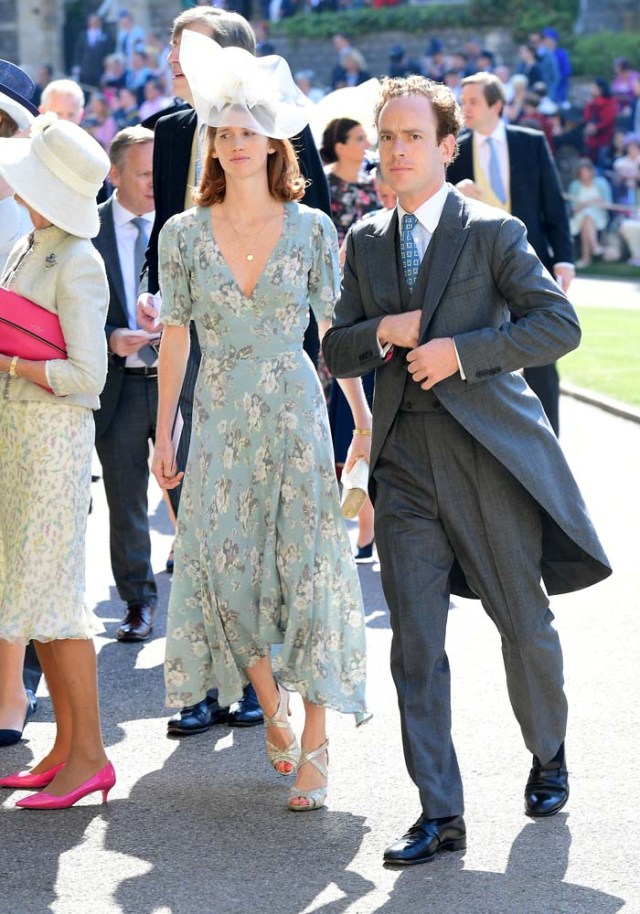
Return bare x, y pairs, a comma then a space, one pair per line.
263, 562
45, 479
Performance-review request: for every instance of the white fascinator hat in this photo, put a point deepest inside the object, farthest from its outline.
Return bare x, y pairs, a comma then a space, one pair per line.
232, 88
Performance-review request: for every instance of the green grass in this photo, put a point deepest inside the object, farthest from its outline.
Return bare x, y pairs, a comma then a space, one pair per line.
608, 359
604, 270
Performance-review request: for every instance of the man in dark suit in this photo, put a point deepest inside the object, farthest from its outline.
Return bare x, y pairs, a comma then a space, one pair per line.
92, 47
126, 420
471, 490
528, 187
176, 168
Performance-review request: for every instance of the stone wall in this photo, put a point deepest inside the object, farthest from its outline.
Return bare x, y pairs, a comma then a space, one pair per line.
8, 29
319, 55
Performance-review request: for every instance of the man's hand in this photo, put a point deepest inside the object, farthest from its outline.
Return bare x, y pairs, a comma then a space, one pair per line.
470, 189
127, 342
147, 312
432, 362
400, 329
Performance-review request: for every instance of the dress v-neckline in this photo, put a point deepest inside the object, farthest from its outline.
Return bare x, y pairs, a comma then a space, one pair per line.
285, 217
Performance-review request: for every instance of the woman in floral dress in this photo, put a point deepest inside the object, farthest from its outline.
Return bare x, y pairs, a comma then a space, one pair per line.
262, 555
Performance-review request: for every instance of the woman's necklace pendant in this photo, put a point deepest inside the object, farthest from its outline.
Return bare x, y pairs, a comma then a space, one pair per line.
249, 256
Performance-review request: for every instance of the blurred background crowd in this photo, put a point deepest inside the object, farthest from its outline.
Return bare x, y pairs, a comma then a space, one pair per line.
593, 128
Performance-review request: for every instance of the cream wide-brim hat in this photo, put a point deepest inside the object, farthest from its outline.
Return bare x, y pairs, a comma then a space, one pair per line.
58, 172
15, 110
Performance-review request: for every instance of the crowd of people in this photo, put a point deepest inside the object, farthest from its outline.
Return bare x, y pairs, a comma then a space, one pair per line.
126, 80
184, 301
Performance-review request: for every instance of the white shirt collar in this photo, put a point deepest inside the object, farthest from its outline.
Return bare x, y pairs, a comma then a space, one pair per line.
428, 213
499, 134
121, 215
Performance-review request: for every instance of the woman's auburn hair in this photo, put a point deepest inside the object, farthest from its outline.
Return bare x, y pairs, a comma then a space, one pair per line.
286, 183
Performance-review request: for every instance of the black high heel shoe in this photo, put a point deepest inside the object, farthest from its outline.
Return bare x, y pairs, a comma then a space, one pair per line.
11, 737
364, 553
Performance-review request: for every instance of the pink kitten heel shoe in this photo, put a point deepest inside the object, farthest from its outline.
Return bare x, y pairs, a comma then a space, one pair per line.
102, 781
24, 780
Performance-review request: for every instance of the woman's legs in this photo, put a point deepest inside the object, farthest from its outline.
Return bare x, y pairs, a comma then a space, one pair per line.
260, 675
70, 669
365, 523
13, 698
313, 736
588, 241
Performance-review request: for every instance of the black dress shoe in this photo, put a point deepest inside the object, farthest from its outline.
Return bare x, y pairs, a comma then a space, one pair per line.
11, 737
197, 718
547, 789
425, 839
246, 712
137, 625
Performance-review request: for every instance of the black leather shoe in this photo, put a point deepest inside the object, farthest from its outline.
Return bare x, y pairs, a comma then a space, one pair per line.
246, 712
547, 789
137, 625
198, 718
425, 839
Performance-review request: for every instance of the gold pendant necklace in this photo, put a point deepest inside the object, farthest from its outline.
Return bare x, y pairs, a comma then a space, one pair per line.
242, 241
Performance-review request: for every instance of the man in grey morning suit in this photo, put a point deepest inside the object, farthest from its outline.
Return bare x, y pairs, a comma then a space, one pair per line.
471, 489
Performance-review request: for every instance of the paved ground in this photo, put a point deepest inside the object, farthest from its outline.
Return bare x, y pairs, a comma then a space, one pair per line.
199, 826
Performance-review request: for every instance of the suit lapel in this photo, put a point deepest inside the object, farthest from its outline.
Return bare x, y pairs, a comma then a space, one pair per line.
382, 264
437, 266
112, 260
515, 171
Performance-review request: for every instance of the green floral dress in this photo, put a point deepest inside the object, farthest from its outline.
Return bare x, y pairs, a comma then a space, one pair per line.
262, 554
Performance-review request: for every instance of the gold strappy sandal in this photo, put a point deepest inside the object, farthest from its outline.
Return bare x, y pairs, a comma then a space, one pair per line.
317, 796
278, 756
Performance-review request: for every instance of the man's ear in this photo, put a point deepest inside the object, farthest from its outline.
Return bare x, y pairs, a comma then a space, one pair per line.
114, 176
447, 148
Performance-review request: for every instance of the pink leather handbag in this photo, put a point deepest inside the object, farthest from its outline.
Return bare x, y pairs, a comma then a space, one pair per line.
29, 331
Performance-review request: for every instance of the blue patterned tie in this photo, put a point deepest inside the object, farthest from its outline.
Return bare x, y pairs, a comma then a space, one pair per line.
495, 175
408, 250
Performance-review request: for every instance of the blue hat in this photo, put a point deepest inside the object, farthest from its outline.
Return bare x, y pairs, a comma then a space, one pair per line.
16, 91
397, 52
550, 32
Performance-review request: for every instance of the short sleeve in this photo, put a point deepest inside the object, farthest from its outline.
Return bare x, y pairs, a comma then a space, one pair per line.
174, 275
324, 275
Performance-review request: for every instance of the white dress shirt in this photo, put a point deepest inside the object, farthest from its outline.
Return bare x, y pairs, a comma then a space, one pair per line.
126, 235
482, 147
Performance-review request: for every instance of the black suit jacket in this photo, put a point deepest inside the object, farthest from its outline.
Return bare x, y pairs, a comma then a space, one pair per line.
90, 58
106, 244
536, 192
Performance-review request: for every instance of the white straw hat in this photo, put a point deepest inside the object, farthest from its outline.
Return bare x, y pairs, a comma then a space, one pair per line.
21, 115
232, 88
58, 171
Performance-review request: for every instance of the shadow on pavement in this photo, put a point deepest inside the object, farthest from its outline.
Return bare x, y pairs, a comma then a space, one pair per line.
531, 884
